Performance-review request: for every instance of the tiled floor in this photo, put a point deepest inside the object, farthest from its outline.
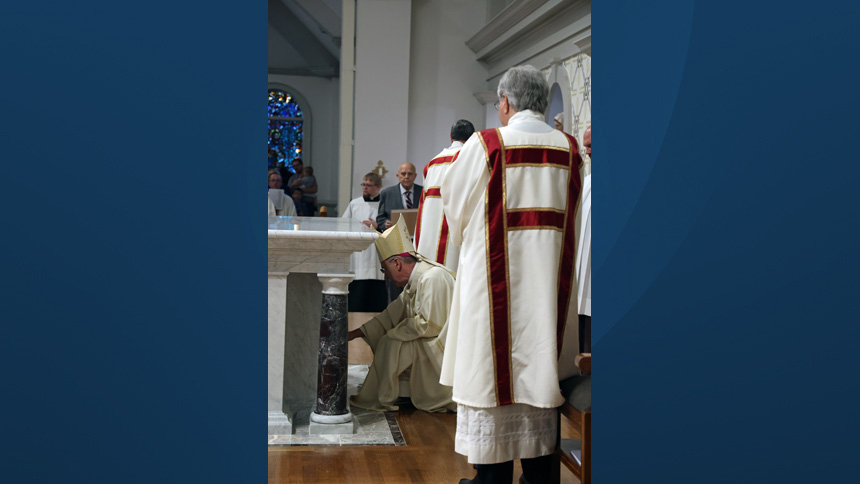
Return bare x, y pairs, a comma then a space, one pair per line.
373, 428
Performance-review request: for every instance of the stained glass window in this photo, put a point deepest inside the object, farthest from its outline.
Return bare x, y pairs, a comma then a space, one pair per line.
285, 128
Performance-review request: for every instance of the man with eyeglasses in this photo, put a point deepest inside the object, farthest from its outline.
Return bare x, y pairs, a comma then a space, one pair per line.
410, 333
431, 230
510, 201
367, 291
406, 194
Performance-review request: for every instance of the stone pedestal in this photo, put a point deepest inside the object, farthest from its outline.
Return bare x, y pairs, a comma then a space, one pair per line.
331, 409
301, 304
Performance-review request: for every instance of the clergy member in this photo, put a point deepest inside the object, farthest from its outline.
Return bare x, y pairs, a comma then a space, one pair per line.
431, 231
405, 195
282, 202
410, 333
510, 200
583, 248
367, 291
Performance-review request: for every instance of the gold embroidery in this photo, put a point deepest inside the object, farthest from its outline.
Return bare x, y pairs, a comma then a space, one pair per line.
487, 152
542, 147
537, 227
539, 209
541, 165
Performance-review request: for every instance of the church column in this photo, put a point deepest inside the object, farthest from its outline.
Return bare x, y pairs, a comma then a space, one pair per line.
280, 416
331, 415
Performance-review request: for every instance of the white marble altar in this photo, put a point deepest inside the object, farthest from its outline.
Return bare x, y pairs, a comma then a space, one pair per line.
299, 248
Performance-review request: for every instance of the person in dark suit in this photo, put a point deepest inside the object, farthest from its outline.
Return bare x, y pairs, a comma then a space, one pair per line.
405, 194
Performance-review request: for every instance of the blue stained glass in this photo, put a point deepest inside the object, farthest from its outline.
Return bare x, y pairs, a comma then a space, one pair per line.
282, 104
285, 137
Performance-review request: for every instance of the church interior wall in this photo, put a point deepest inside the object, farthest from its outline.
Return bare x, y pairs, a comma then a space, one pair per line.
322, 96
382, 48
443, 75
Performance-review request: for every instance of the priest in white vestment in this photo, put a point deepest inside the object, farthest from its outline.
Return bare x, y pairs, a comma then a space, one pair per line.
367, 291
583, 249
410, 333
283, 203
431, 230
510, 201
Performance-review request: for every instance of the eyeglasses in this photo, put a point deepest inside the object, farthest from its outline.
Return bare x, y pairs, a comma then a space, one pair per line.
496, 105
382, 270
368, 185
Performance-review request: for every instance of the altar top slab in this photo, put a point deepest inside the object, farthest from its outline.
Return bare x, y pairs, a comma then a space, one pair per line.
320, 228
320, 245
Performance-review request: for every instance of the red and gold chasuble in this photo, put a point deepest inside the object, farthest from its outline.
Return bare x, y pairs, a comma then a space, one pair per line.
515, 209
431, 231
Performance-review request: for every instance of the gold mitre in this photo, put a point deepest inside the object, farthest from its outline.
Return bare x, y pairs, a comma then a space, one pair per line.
395, 241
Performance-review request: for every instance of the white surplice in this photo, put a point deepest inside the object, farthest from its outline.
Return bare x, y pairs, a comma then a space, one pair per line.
583, 248
431, 233
538, 200
364, 264
283, 203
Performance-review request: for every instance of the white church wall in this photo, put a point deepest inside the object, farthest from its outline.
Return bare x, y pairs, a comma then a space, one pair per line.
382, 46
321, 153
443, 75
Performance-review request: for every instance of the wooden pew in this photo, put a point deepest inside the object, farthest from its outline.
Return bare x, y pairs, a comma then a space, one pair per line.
577, 409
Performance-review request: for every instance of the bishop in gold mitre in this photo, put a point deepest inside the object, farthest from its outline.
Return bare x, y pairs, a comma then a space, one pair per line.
410, 334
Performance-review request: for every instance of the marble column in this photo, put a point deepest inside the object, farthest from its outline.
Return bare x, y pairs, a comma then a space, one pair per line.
331, 414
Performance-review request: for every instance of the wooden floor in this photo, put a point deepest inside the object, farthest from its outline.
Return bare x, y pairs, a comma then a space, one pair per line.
428, 456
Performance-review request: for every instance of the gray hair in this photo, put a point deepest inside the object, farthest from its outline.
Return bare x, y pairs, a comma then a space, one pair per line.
406, 259
526, 88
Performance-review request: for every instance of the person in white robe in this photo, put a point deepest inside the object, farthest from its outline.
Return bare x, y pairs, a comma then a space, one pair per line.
431, 230
510, 200
284, 205
583, 252
367, 291
272, 212
410, 334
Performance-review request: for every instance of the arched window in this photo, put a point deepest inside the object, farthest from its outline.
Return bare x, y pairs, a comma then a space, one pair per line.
285, 128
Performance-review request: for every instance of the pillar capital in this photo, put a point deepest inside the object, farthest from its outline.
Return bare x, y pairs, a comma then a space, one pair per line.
335, 283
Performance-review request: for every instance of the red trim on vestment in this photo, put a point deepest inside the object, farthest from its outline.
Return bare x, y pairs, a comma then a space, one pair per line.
497, 267
568, 240
437, 161
420, 210
535, 219
443, 241
535, 155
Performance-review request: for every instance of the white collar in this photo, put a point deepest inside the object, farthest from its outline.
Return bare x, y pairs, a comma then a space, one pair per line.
529, 121
403, 190
456, 144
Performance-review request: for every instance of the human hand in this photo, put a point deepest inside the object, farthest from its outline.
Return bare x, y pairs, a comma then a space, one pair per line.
356, 333
369, 222
388, 224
